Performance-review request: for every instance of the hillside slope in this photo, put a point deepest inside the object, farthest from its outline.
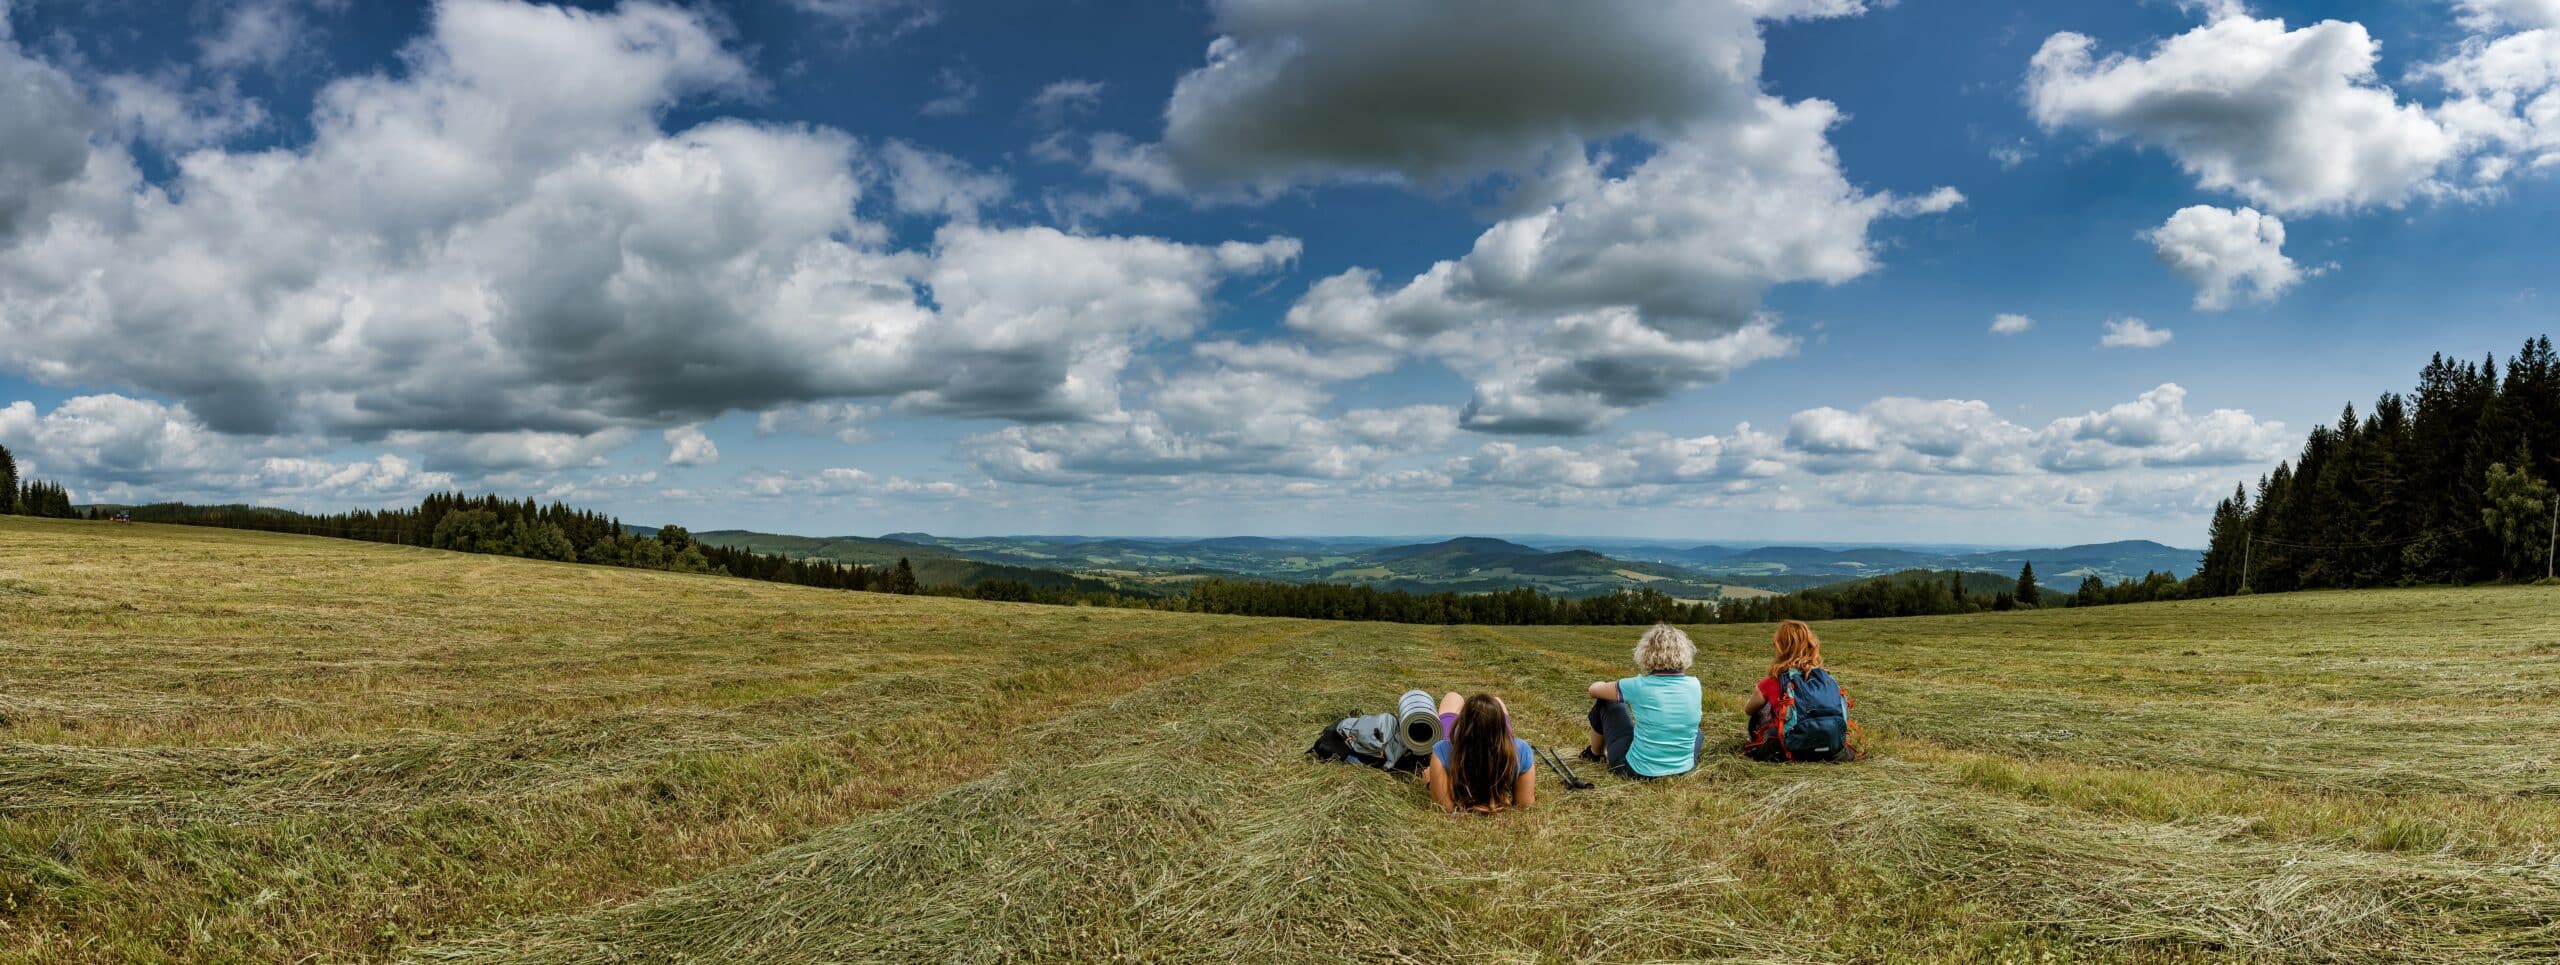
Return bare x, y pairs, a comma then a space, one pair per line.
933, 566
219, 745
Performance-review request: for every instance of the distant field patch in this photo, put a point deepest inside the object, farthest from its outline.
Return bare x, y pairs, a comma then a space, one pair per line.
1639, 577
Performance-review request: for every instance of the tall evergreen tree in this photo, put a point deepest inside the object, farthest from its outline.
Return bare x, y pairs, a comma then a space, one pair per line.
903, 578
8, 482
2027, 593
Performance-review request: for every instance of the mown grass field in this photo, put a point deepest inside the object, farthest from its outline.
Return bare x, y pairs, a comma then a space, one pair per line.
226, 746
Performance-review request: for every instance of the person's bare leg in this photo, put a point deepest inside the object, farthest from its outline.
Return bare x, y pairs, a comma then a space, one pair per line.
1451, 703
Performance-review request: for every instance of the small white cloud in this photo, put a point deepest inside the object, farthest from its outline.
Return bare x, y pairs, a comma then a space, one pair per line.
840, 482
258, 33
166, 113
875, 19
1062, 99
490, 451
2490, 14
959, 93
2010, 323
2215, 9
2226, 254
844, 420
2133, 333
688, 446
927, 182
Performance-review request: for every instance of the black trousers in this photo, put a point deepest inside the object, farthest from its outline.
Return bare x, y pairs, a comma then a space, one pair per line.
1617, 730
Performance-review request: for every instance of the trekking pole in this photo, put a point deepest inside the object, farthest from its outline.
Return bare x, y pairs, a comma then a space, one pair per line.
1573, 781
2551, 549
1555, 761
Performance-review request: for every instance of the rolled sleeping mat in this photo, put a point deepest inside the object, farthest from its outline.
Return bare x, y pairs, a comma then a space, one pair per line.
1418, 721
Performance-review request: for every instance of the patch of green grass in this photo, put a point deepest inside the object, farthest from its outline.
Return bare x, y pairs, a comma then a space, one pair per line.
235, 746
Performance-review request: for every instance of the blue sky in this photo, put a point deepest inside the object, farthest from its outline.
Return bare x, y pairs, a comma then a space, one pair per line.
1714, 269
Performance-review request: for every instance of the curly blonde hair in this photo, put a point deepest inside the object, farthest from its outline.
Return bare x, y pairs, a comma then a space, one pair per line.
1665, 648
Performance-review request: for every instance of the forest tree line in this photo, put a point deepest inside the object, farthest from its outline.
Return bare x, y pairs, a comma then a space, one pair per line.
2449, 484
31, 497
508, 527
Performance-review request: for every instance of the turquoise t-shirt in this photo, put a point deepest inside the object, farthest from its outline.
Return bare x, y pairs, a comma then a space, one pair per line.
1666, 709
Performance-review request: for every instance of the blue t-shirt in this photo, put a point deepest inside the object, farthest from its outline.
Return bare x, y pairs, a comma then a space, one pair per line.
1519, 748
1666, 709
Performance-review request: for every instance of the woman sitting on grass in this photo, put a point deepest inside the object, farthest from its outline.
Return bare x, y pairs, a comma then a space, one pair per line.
1820, 730
1646, 726
1480, 767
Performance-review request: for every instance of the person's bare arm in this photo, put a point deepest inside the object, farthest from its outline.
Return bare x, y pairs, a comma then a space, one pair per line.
1525, 793
1756, 703
1436, 778
1606, 690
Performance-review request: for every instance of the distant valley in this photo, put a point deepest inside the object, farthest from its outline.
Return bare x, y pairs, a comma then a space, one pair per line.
1470, 564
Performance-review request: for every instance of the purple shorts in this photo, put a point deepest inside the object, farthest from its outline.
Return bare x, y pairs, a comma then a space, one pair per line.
1448, 723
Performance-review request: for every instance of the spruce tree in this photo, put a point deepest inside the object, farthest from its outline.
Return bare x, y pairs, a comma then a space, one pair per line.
8, 482
2028, 594
903, 579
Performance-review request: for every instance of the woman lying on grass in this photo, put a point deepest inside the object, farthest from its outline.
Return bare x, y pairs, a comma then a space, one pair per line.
1646, 726
1480, 767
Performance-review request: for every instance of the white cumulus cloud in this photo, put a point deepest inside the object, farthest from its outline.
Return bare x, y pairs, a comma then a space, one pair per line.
501, 237
1433, 89
2227, 254
2295, 120
1626, 290
114, 448
689, 446
2133, 333
848, 422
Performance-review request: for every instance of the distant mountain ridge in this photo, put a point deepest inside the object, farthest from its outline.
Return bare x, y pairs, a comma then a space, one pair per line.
1464, 564
2114, 561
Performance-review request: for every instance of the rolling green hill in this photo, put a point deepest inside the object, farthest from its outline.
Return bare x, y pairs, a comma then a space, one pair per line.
219, 745
933, 567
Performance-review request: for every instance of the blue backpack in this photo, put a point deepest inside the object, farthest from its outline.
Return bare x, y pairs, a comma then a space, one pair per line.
1812, 717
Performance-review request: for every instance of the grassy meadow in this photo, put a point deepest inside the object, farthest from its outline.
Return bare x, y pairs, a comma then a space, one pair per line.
230, 746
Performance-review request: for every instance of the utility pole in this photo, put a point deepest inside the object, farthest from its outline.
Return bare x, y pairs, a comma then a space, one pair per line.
2248, 541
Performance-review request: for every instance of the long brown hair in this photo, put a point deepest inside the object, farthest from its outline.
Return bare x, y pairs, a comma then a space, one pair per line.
1798, 648
1484, 765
